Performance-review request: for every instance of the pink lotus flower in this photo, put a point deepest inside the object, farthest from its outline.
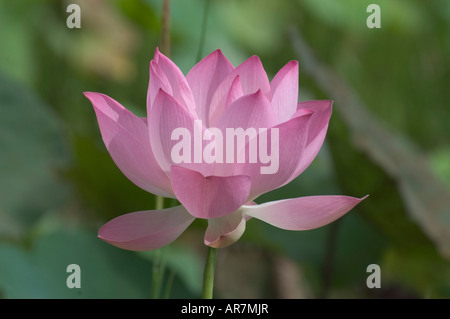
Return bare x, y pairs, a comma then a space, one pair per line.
215, 96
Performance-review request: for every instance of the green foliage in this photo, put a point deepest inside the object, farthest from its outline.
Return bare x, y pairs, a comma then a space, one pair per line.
101, 184
33, 153
106, 272
182, 262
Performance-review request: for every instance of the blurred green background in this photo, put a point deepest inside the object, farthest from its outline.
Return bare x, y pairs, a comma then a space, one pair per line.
389, 137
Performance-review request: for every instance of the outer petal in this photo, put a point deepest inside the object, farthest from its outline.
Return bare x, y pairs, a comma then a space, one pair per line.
224, 231
158, 80
146, 230
212, 196
169, 116
204, 78
284, 91
126, 138
317, 130
303, 213
180, 88
252, 78
286, 150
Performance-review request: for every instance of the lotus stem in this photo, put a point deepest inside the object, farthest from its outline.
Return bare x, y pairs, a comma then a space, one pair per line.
208, 275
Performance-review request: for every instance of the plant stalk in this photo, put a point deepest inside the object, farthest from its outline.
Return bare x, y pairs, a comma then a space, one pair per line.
165, 28
158, 264
203, 30
208, 275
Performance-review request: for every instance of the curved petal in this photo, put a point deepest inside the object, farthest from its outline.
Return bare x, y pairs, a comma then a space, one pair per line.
226, 230
286, 145
303, 213
176, 135
180, 87
157, 81
316, 132
212, 196
204, 78
126, 138
284, 91
235, 91
249, 111
146, 230
252, 78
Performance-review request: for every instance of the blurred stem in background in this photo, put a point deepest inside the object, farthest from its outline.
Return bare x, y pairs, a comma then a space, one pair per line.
330, 252
165, 28
159, 202
203, 30
158, 261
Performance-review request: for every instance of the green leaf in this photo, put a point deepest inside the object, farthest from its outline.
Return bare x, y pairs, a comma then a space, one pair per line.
41, 271
32, 152
106, 271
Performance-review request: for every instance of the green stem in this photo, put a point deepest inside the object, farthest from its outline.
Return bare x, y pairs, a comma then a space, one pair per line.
208, 275
203, 30
159, 203
165, 28
169, 284
330, 251
158, 273
158, 265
